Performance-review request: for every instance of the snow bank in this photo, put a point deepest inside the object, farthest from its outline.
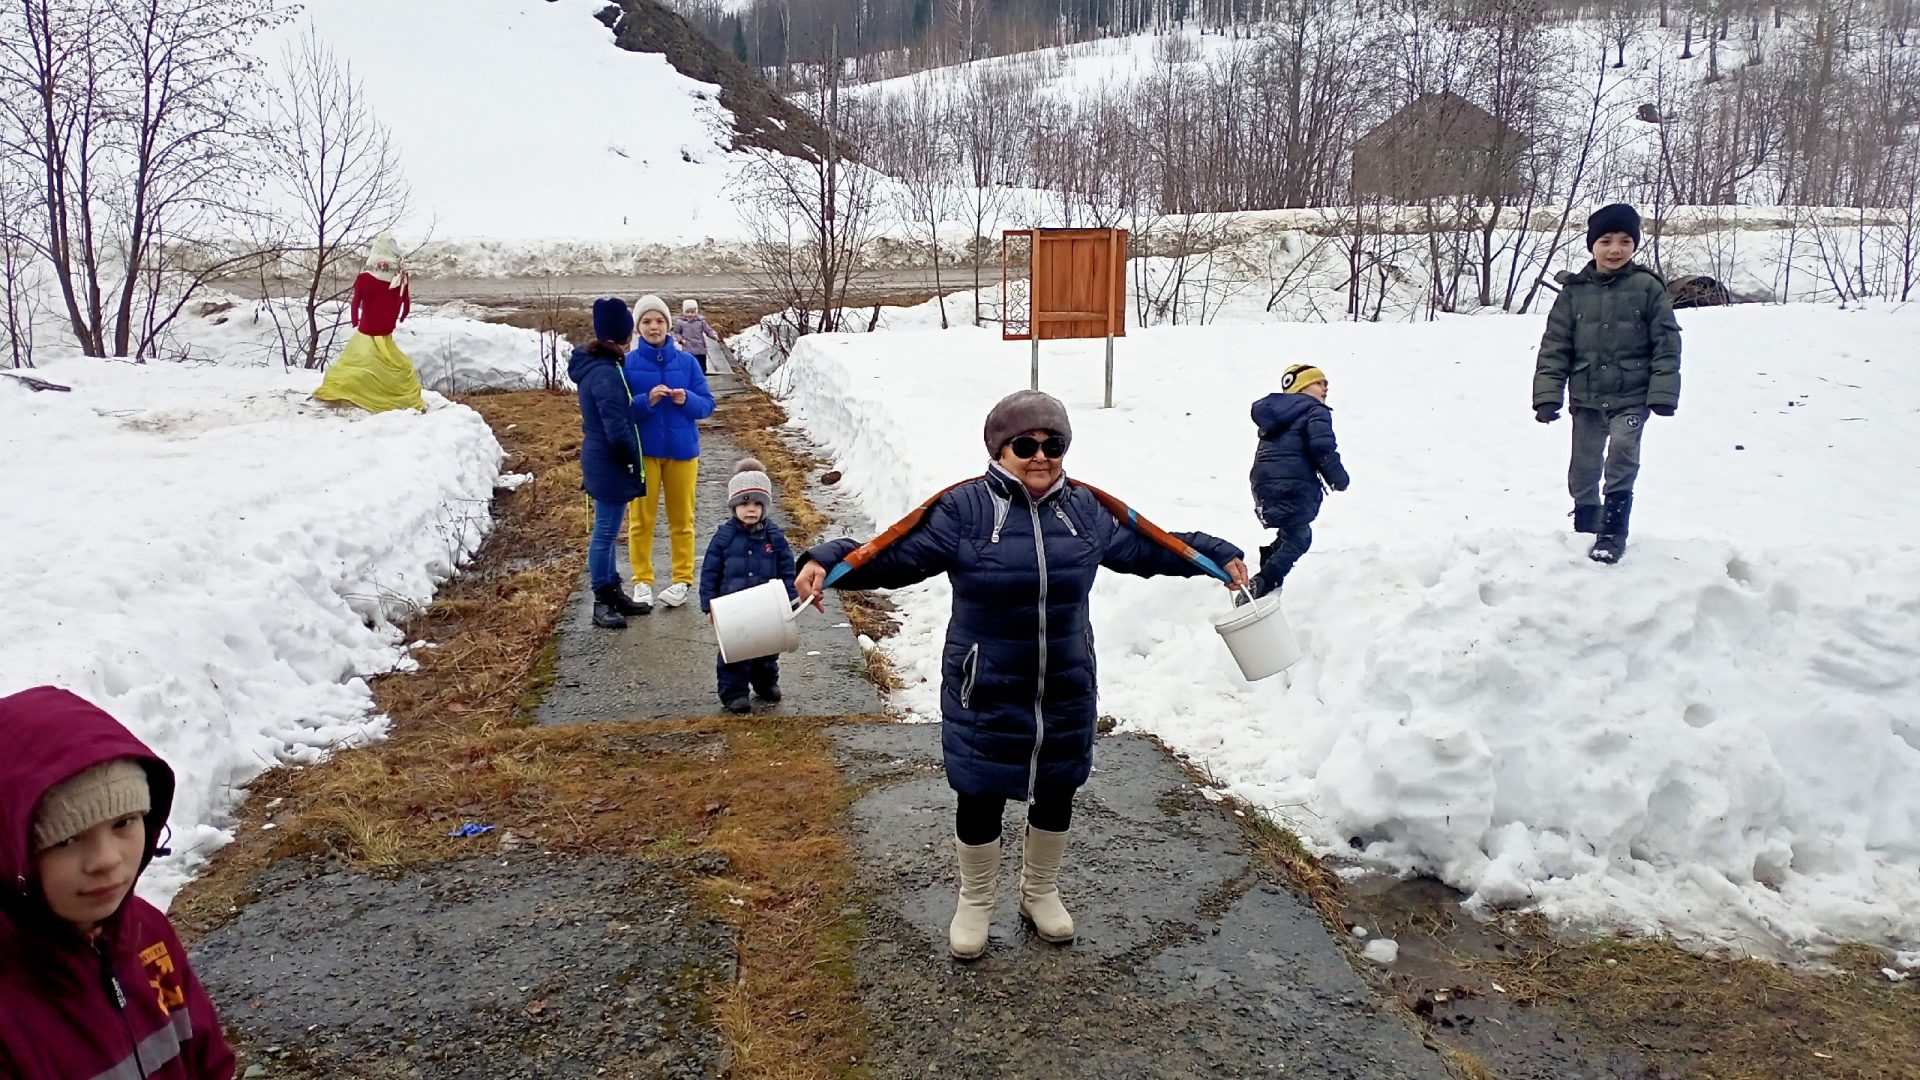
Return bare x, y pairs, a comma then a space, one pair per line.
216, 560
456, 356
1717, 739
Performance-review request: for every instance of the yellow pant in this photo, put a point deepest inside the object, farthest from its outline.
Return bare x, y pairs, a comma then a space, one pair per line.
677, 481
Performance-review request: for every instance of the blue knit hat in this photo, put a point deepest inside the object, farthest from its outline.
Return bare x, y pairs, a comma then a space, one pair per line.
612, 321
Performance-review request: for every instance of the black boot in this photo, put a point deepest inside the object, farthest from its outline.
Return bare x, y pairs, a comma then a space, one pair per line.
1612, 542
738, 705
770, 693
1586, 519
625, 604
606, 611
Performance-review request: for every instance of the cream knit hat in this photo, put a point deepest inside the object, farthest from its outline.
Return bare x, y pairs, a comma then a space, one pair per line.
651, 302
750, 483
107, 792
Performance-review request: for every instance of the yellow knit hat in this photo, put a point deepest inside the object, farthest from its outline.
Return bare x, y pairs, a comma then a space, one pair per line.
1299, 377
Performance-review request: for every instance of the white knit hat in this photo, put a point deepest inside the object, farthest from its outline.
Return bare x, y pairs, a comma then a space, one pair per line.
648, 303
689, 306
384, 260
109, 791
750, 483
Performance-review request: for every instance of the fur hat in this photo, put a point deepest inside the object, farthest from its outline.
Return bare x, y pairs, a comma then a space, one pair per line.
651, 302
611, 320
384, 260
1023, 411
107, 792
1299, 377
1619, 217
690, 307
750, 483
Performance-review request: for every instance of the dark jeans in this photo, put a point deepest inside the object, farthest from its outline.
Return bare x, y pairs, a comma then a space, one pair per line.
1277, 558
735, 679
976, 820
601, 568
1606, 453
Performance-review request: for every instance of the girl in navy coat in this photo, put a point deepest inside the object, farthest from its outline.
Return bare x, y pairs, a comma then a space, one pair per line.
610, 466
1017, 699
748, 549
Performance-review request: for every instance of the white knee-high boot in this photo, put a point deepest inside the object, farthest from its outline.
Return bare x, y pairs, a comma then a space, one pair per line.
1040, 902
979, 870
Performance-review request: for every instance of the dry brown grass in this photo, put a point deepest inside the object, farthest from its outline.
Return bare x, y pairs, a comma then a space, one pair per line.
753, 420
1719, 1017
764, 793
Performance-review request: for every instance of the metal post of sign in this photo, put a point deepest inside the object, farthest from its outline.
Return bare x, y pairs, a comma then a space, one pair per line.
1109, 403
1036, 357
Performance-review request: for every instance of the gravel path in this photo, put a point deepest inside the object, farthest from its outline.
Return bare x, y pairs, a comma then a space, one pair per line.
1190, 962
500, 966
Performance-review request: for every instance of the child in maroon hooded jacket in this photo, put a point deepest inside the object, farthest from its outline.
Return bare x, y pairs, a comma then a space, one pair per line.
93, 981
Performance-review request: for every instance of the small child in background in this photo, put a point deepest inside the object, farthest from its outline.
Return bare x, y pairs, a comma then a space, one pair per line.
93, 980
1296, 460
748, 549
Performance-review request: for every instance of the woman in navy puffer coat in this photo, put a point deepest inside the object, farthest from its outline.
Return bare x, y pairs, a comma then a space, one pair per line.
1017, 698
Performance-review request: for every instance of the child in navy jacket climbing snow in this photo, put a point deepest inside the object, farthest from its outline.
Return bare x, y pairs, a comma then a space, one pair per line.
748, 549
1296, 461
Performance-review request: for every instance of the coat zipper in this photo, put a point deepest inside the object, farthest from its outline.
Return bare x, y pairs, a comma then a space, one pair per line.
1040, 683
119, 997
973, 672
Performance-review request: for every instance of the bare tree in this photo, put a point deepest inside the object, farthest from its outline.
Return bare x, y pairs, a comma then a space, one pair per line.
334, 175
136, 117
18, 270
808, 219
913, 143
987, 114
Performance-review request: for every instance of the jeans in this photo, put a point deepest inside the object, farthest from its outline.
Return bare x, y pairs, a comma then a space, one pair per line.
976, 820
607, 516
1606, 453
1277, 558
735, 679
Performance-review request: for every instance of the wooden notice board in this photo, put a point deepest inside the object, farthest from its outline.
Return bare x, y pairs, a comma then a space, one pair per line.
1077, 285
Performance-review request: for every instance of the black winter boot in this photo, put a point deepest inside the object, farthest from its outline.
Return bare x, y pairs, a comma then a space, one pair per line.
770, 693
739, 706
606, 611
1612, 542
625, 604
1586, 519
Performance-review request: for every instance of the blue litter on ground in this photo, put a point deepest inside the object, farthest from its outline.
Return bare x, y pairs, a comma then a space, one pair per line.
471, 829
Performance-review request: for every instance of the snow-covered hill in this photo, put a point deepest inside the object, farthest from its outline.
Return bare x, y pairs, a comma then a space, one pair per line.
520, 119
1717, 739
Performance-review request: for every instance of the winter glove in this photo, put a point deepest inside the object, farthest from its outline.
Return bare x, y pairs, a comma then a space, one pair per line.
1546, 414
1661, 410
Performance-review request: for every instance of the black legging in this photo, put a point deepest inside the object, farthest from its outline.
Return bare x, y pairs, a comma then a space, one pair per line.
976, 820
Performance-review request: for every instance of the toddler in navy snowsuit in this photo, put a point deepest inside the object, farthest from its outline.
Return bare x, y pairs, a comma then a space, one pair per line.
1295, 462
748, 549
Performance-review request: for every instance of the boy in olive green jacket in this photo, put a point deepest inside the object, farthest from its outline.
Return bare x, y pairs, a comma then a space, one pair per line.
1613, 347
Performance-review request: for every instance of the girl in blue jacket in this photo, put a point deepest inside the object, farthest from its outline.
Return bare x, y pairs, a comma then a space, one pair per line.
610, 467
670, 398
1017, 700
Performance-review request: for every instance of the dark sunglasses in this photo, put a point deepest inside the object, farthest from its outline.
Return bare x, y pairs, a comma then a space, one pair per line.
1025, 446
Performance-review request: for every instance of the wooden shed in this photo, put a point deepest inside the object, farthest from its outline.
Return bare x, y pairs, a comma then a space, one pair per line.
1441, 146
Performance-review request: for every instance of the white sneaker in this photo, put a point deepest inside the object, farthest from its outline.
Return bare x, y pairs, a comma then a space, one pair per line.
641, 592
675, 594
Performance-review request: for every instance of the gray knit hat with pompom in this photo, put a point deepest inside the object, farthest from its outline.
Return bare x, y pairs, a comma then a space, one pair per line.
750, 483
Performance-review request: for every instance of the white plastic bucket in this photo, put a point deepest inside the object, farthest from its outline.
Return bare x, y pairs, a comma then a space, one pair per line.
756, 622
1259, 638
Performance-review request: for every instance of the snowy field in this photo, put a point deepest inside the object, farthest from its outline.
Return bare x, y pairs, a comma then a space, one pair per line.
216, 560
1717, 739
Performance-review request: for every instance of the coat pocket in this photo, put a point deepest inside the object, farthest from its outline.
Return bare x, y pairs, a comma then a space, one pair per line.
969, 671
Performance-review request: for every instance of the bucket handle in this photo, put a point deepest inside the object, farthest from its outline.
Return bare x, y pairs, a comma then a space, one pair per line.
1246, 592
794, 608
